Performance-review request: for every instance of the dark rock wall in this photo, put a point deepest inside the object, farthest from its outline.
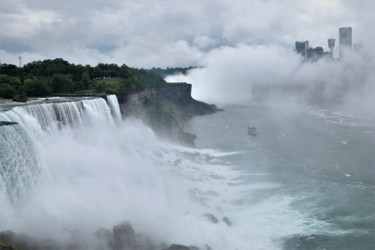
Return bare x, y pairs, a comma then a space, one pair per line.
172, 92
166, 109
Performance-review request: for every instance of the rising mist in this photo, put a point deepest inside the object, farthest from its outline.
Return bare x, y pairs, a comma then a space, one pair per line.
278, 75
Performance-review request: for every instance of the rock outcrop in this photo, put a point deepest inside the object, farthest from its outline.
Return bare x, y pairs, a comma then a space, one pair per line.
177, 247
166, 109
212, 218
5, 123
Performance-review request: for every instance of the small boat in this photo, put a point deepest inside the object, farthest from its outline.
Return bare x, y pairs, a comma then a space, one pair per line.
251, 130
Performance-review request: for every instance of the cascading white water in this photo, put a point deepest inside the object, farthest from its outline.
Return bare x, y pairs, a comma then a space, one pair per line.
49, 116
19, 165
99, 174
103, 173
115, 107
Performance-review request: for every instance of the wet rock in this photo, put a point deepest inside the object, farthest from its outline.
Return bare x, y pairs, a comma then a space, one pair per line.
211, 218
17, 240
177, 247
227, 221
5, 123
124, 237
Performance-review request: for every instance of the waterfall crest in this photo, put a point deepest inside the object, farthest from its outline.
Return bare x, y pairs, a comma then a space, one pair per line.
115, 107
47, 116
20, 168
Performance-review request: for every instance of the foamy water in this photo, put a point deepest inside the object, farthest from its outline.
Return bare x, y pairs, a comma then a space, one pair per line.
95, 173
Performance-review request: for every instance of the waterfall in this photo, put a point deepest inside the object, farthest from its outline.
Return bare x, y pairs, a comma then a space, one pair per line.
115, 107
21, 126
19, 167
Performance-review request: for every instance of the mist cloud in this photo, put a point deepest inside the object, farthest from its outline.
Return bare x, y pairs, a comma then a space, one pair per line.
277, 75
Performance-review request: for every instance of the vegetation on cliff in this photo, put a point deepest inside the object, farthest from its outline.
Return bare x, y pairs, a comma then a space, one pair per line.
165, 115
59, 77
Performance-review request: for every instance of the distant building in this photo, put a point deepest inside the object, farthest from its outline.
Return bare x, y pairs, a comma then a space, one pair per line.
315, 54
331, 45
309, 54
302, 47
345, 39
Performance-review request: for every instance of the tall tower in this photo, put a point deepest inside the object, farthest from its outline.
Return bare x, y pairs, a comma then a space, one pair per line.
20, 61
302, 47
331, 45
345, 39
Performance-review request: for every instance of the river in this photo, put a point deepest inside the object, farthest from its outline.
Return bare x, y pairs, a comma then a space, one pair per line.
307, 177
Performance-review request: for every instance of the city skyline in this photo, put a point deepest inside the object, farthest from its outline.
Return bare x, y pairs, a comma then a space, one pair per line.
345, 42
168, 33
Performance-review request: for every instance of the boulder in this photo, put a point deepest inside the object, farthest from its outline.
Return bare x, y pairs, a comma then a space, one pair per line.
177, 247
211, 218
124, 237
17, 240
5, 123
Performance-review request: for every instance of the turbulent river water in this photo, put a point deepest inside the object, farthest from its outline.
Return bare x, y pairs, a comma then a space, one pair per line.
305, 181
307, 178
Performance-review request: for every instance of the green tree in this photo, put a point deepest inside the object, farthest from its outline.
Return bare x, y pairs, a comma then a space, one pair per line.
36, 87
61, 83
85, 79
7, 90
13, 81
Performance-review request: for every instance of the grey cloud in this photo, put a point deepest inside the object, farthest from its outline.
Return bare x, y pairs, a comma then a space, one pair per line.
13, 45
143, 31
246, 46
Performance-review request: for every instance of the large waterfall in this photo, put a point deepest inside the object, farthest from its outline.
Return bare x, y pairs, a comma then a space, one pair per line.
69, 167
20, 168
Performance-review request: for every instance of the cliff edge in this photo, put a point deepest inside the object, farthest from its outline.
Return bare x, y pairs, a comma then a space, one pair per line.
166, 109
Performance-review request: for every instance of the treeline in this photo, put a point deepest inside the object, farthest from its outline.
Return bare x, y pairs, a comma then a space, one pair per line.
59, 77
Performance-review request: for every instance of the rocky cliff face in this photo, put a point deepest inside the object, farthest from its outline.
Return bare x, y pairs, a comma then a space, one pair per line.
166, 109
172, 92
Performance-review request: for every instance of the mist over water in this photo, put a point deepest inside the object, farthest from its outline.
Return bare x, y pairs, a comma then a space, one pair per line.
308, 173
91, 172
290, 187
315, 145
276, 74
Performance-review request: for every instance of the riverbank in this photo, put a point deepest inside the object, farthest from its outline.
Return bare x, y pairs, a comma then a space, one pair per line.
120, 237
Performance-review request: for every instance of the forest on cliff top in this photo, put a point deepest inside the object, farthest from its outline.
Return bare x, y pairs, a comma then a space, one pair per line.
59, 77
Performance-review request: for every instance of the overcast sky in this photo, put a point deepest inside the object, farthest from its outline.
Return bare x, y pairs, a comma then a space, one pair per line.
166, 33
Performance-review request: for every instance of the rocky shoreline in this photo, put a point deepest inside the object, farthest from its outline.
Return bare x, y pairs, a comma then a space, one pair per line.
121, 237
